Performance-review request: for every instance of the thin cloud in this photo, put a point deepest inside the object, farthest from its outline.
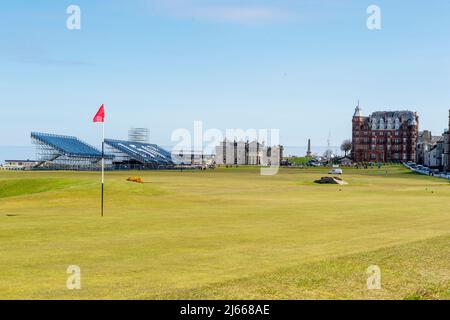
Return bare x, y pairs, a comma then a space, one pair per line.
239, 14
51, 61
33, 53
231, 13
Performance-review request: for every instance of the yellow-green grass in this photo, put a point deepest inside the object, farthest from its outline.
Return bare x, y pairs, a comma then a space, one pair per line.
224, 233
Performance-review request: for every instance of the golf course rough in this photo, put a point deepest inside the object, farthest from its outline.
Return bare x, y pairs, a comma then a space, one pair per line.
225, 233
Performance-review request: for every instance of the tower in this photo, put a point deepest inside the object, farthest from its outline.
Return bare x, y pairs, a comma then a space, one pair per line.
358, 112
358, 123
414, 137
446, 157
448, 121
308, 153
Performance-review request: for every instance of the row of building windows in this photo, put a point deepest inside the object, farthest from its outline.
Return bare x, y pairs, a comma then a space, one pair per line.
400, 147
396, 148
381, 141
396, 156
381, 133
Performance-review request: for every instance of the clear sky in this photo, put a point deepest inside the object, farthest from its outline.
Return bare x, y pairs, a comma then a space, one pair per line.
299, 66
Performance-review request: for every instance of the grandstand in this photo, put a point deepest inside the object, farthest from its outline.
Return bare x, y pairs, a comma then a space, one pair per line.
137, 155
58, 152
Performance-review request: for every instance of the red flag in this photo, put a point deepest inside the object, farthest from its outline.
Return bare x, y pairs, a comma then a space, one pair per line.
100, 115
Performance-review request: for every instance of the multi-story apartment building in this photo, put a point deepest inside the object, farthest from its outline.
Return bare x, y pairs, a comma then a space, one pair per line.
384, 136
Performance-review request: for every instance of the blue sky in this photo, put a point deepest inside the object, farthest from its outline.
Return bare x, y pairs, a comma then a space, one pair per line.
299, 66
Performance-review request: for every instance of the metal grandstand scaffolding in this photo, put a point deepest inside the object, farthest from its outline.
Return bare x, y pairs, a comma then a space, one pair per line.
141, 135
136, 155
58, 152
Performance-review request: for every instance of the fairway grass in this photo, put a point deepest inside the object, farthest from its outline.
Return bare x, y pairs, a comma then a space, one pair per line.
225, 233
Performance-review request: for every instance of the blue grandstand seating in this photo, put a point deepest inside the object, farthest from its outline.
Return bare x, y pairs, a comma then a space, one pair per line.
142, 152
67, 145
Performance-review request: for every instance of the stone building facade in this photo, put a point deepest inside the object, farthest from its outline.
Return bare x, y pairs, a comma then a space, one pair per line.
423, 146
384, 136
430, 150
434, 151
248, 153
446, 155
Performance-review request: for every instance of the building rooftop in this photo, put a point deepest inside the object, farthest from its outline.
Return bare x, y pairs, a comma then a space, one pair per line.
392, 119
405, 114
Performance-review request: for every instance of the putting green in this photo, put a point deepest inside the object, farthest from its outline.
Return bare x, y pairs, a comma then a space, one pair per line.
224, 233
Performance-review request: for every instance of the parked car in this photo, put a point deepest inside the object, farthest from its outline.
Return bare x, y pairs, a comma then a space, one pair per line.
336, 171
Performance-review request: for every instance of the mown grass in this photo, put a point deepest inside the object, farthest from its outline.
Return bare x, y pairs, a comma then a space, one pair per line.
226, 233
17, 187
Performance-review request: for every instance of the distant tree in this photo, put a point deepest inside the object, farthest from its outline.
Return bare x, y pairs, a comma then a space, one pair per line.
346, 146
328, 154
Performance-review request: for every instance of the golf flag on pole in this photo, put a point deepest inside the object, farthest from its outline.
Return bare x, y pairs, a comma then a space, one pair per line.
100, 117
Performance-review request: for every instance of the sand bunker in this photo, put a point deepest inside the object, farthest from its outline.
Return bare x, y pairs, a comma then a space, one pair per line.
135, 179
331, 180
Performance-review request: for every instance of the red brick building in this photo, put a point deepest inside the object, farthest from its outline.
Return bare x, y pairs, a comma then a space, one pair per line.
384, 136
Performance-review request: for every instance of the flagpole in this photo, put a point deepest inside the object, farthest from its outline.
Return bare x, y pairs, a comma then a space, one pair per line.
100, 117
103, 162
